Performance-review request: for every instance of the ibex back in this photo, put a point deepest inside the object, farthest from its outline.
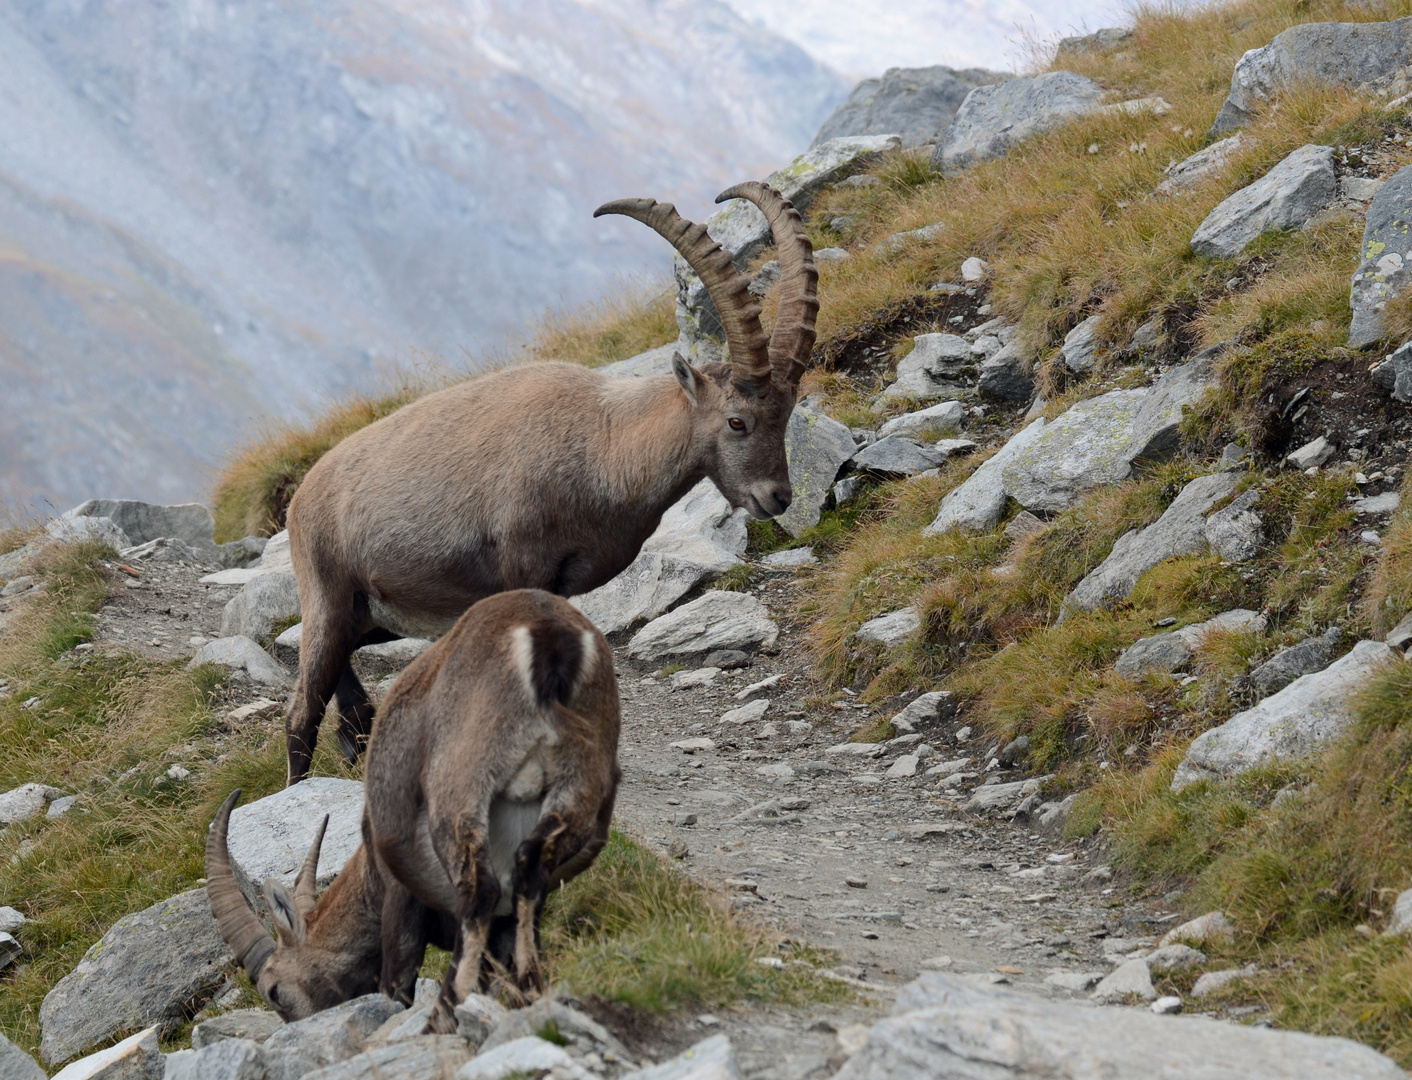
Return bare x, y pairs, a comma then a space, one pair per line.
549, 476
490, 780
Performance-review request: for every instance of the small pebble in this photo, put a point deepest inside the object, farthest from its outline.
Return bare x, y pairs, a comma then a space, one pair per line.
1165, 1005
856, 882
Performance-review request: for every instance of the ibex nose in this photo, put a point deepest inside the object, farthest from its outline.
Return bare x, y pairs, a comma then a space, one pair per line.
776, 499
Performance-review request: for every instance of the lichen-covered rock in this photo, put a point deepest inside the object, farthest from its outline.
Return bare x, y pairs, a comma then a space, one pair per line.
1286, 197
147, 969
1304, 717
992, 119
816, 446
1084, 448
699, 538
1157, 426
251, 1025
914, 103
717, 620
1179, 531
1336, 54
1385, 257
980, 501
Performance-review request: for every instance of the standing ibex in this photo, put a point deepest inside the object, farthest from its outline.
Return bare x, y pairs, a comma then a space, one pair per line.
548, 476
490, 780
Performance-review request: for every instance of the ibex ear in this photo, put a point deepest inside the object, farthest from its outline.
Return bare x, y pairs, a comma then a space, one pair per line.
289, 921
687, 375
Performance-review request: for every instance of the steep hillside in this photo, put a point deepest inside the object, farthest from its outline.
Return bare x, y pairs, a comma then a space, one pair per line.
212, 215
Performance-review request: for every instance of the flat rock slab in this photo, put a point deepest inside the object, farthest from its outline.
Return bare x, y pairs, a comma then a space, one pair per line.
816, 446
944, 416
992, 119
890, 630
1192, 171
980, 501
1385, 257
699, 538
897, 455
1304, 717
135, 1058
717, 620
1179, 531
1338, 54
947, 1026
146, 969
1084, 448
270, 837
240, 653
1286, 197
1156, 428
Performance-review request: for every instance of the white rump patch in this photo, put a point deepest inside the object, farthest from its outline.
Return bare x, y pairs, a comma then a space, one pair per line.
522, 655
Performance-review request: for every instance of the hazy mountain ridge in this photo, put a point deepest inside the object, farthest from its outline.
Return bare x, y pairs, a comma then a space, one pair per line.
282, 200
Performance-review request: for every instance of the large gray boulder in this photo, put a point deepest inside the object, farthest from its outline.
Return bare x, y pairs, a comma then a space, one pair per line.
15, 1064
1172, 652
147, 969
1081, 345
992, 119
270, 837
1308, 656
144, 522
1086, 447
953, 1027
816, 446
979, 503
87, 530
1006, 376
1157, 426
269, 596
656, 361
914, 103
896, 455
717, 620
327, 1037
1338, 54
1180, 530
1302, 718
243, 654
1191, 171
932, 369
1286, 197
742, 230
1385, 257
699, 538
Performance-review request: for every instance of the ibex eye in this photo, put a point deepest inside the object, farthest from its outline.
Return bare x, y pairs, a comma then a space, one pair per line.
737, 424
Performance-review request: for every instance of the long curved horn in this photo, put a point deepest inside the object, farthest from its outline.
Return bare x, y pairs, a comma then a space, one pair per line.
749, 348
250, 941
305, 885
793, 339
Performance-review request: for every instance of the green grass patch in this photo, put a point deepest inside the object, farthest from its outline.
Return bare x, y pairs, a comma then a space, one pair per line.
636, 929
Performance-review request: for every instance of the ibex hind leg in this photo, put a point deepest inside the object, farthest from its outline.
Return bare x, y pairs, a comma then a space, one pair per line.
557, 838
467, 856
355, 715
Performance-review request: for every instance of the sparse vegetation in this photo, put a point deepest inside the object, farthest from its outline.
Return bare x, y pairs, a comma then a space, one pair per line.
626, 321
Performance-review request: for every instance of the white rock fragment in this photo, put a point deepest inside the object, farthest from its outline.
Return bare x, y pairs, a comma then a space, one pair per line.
748, 713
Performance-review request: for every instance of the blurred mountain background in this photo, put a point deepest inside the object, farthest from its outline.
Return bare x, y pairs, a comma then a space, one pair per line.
216, 214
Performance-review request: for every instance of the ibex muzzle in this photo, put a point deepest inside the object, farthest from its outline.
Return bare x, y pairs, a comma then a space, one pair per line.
490, 781
548, 476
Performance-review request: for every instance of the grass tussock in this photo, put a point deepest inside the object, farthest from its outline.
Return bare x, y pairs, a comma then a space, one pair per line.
1300, 855
1389, 594
636, 929
254, 489
628, 321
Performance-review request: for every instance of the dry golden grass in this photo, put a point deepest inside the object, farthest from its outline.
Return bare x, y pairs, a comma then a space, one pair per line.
1389, 594
253, 490
630, 320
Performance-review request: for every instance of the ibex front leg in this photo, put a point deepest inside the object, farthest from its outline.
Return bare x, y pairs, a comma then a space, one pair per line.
467, 856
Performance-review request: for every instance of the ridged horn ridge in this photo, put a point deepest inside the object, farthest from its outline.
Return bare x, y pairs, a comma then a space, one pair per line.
730, 290
306, 896
793, 339
250, 941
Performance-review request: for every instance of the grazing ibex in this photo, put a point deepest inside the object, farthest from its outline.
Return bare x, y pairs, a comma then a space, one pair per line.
490, 780
549, 476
